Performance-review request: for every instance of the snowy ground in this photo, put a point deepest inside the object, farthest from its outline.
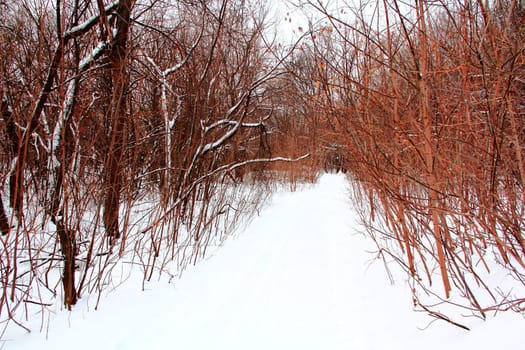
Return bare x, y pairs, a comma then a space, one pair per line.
298, 277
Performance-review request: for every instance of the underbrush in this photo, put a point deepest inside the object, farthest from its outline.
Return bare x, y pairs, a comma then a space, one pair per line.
159, 237
484, 279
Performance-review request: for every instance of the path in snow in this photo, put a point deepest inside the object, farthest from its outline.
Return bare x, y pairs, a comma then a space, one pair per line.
297, 278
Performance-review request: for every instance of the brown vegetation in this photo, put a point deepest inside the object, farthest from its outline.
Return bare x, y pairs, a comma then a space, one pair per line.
429, 97
131, 128
109, 107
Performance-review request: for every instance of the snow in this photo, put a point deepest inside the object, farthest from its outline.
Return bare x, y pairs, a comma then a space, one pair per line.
300, 276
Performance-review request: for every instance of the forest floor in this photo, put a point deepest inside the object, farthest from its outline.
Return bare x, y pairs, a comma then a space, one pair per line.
299, 276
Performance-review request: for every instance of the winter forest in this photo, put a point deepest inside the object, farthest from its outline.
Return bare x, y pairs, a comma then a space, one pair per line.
148, 130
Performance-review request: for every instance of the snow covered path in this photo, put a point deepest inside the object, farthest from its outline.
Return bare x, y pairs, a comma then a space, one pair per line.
298, 278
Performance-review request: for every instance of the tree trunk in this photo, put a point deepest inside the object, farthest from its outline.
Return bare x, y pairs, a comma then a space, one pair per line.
4, 222
68, 246
117, 120
13, 137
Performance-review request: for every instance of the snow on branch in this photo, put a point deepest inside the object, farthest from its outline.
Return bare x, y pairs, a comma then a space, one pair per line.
235, 126
213, 145
231, 167
228, 122
88, 24
225, 168
95, 53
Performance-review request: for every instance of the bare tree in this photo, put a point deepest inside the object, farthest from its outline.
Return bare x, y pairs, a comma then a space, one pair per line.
126, 105
427, 100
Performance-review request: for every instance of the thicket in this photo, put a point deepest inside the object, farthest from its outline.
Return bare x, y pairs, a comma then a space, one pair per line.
428, 98
146, 130
130, 129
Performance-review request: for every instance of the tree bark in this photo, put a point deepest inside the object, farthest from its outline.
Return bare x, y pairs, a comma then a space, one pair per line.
4, 222
13, 138
117, 120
